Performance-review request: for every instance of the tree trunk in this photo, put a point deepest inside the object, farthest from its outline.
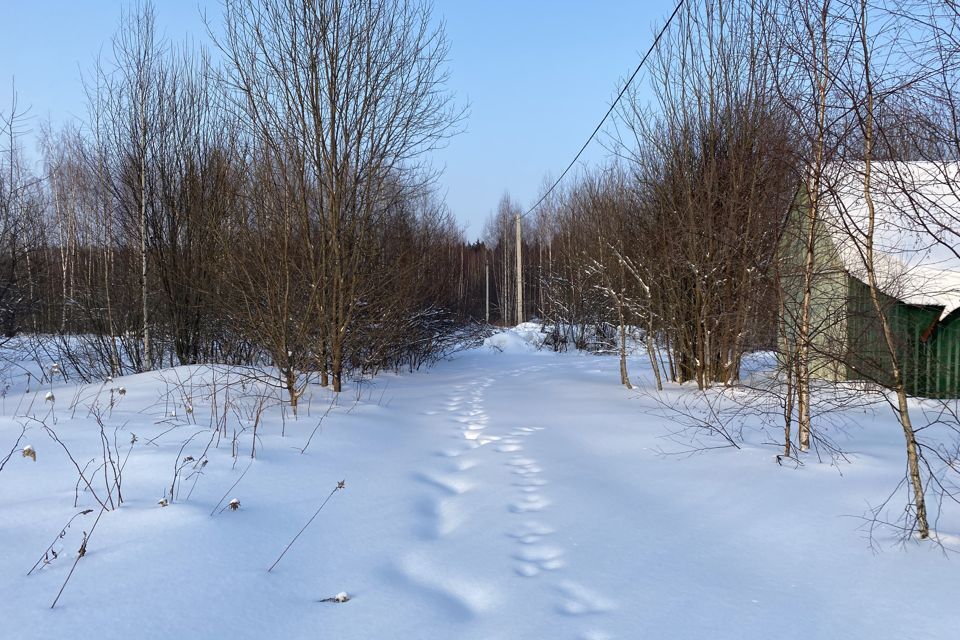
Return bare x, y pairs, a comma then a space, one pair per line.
624, 375
903, 409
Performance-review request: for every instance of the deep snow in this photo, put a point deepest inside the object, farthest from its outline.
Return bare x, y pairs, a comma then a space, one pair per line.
506, 493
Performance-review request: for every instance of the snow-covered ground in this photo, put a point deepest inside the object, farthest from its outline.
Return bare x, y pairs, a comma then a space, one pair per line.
506, 493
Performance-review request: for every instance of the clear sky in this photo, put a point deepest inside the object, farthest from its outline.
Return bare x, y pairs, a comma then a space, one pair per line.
537, 75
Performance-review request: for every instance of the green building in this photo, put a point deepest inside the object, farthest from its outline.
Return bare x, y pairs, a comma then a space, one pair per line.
917, 269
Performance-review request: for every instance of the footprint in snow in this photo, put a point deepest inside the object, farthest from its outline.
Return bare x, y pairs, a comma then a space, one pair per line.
524, 431
531, 538
529, 481
442, 516
596, 635
527, 570
578, 600
461, 596
530, 531
476, 435
534, 559
530, 503
463, 465
451, 453
526, 470
470, 434
451, 484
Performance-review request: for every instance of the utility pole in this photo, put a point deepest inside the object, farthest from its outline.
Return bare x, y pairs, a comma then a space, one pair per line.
519, 272
486, 264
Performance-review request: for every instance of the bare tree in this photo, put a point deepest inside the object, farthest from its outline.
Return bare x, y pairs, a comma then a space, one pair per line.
352, 93
903, 410
21, 207
137, 83
711, 182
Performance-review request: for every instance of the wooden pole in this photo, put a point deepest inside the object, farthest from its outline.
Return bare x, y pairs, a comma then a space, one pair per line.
519, 271
486, 264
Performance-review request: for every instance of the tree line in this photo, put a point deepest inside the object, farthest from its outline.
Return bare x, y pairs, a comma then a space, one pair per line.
755, 110
276, 206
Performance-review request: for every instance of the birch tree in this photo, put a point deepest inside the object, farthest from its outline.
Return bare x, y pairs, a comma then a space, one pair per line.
865, 107
137, 85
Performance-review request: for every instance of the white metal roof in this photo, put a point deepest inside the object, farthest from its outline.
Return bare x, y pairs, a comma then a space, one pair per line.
916, 230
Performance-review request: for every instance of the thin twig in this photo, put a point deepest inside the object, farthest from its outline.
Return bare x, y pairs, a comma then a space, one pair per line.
319, 424
53, 435
249, 464
86, 538
60, 535
340, 485
16, 445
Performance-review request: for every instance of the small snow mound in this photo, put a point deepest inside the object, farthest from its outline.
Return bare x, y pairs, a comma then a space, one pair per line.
507, 341
522, 338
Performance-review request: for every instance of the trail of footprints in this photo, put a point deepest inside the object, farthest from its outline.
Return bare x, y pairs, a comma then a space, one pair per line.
534, 553
465, 407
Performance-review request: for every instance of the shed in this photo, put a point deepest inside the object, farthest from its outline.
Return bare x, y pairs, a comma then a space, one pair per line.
917, 267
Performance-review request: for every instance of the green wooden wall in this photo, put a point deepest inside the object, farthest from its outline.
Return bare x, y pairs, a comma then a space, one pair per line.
931, 366
828, 331
846, 336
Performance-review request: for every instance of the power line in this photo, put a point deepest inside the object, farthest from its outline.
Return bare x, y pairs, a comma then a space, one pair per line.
613, 105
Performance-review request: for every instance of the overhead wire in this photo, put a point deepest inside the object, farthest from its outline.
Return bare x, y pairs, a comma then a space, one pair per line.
613, 105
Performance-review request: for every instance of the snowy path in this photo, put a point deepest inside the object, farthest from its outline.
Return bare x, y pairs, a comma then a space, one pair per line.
487, 472
550, 514
514, 495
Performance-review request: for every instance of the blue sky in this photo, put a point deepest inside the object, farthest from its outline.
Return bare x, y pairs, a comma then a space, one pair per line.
537, 76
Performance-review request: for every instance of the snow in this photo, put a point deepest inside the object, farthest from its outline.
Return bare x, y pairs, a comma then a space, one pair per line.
917, 208
523, 338
505, 493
